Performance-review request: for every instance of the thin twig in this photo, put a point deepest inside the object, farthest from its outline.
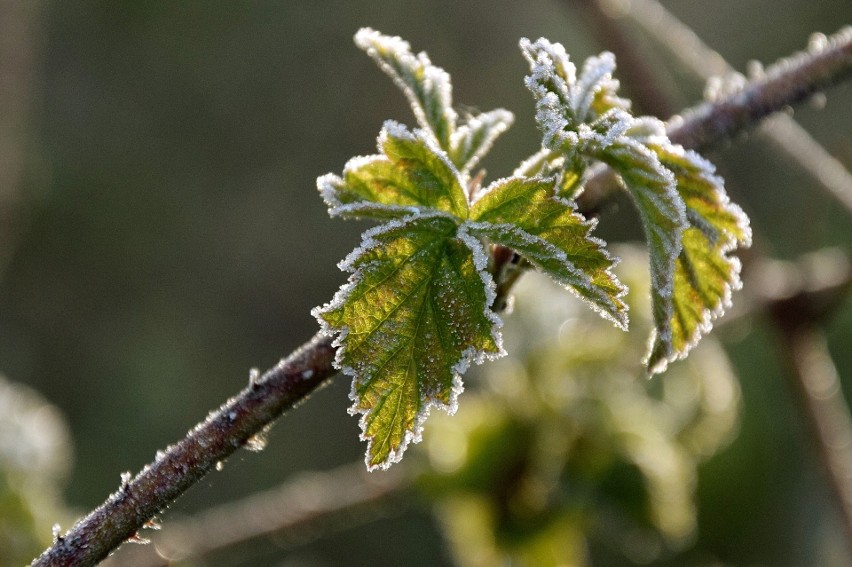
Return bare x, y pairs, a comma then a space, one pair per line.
298, 505
185, 463
706, 63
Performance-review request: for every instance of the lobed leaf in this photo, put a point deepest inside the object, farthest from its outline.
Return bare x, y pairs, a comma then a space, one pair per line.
411, 175
414, 315
426, 86
705, 273
524, 214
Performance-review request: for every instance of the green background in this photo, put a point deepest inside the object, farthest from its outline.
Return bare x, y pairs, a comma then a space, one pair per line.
167, 235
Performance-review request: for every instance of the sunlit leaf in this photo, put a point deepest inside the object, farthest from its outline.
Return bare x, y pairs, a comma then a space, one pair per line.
663, 216
472, 140
414, 315
426, 86
411, 175
705, 272
525, 215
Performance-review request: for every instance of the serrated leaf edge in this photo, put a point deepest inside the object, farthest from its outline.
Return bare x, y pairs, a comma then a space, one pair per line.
728, 243
326, 184
469, 355
364, 38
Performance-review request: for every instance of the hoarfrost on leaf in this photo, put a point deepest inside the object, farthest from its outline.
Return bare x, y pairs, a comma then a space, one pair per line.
690, 224
413, 316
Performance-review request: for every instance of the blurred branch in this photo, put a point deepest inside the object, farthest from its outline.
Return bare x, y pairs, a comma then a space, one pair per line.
786, 83
703, 61
307, 503
293, 379
820, 395
18, 30
633, 69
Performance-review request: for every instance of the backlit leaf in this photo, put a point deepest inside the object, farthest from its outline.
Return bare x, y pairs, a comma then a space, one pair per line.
705, 273
525, 215
426, 86
414, 315
472, 140
411, 175
663, 216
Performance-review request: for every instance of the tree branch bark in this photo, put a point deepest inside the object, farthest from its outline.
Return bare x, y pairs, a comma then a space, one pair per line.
181, 465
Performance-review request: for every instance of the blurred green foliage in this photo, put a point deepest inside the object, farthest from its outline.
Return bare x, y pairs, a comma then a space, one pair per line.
35, 454
569, 440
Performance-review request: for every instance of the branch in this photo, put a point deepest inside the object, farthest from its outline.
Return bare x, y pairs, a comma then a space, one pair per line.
784, 84
300, 503
819, 393
311, 499
292, 380
137, 501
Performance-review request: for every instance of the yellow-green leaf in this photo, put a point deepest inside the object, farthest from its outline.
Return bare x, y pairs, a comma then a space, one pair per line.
414, 315
705, 273
411, 175
524, 214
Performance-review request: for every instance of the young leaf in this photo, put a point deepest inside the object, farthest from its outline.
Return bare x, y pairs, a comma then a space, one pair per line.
411, 175
524, 214
705, 273
414, 315
663, 216
472, 140
426, 86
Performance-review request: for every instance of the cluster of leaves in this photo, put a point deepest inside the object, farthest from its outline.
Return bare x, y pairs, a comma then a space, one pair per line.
565, 453
419, 305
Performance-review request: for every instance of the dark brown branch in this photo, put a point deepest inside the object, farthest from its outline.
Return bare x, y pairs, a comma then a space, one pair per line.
306, 502
292, 380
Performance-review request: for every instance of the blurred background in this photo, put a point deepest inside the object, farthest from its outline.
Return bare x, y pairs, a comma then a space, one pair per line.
161, 234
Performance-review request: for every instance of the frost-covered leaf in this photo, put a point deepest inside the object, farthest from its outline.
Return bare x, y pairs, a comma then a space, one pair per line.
705, 273
410, 175
426, 86
413, 316
661, 210
472, 140
525, 215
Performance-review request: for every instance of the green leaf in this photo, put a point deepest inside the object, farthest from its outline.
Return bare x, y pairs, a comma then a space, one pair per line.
414, 315
524, 214
426, 86
473, 140
411, 175
661, 210
705, 273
